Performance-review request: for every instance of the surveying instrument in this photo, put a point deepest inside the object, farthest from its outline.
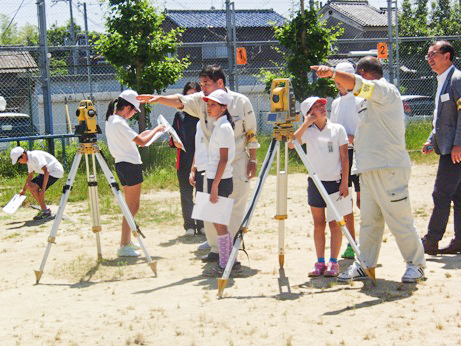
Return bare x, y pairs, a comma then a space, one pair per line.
283, 116
86, 130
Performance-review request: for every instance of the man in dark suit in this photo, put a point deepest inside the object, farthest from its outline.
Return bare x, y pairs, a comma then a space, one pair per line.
445, 140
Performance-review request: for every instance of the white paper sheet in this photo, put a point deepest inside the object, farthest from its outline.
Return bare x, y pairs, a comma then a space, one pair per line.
343, 205
14, 204
219, 212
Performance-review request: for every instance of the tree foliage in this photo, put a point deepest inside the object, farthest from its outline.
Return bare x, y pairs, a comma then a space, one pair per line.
306, 41
140, 50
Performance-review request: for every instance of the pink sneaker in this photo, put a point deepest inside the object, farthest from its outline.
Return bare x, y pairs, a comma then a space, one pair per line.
318, 269
332, 269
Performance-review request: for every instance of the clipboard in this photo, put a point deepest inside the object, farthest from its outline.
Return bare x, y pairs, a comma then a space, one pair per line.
14, 203
168, 129
219, 212
343, 205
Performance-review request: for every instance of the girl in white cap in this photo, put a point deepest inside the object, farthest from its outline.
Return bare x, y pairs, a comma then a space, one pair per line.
221, 154
326, 148
122, 141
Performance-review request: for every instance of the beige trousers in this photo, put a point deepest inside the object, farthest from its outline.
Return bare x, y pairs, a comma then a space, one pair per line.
385, 199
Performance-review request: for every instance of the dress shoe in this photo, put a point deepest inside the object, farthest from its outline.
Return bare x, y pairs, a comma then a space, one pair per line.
431, 247
452, 249
210, 257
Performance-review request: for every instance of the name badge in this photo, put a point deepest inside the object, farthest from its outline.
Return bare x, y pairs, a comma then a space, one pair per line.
330, 147
445, 97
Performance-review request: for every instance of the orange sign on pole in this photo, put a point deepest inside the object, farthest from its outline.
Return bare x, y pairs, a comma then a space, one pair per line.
382, 50
241, 56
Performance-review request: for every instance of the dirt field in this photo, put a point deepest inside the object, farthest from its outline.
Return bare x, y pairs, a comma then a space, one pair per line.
80, 301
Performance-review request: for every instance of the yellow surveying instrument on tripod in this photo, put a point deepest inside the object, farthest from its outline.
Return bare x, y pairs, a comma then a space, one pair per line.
86, 130
283, 116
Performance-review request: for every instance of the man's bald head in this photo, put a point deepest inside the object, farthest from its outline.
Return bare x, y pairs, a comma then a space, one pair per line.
370, 66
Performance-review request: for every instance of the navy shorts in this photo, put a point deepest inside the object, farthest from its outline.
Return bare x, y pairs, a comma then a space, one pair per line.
314, 198
129, 174
39, 180
225, 187
353, 178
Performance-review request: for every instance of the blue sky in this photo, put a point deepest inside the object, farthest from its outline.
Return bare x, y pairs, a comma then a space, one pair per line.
58, 10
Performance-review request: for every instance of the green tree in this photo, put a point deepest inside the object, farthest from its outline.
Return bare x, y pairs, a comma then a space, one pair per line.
142, 53
306, 41
8, 31
28, 35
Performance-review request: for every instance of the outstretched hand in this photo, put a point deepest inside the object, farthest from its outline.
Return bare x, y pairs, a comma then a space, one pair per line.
147, 98
322, 71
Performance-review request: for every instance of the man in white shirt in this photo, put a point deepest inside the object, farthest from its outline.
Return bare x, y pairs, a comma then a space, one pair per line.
49, 171
244, 165
445, 140
384, 166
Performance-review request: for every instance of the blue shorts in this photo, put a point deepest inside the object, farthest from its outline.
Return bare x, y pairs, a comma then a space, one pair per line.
39, 181
314, 198
353, 178
225, 187
129, 174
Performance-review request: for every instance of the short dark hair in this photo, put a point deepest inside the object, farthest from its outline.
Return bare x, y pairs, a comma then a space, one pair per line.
371, 65
214, 72
445, 47
189, 86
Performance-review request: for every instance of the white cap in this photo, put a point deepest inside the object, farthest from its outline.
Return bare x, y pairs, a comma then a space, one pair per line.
220, 96
15, 154
307, 104
130, 96
345, 67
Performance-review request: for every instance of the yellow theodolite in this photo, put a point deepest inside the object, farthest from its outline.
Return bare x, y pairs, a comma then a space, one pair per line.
87, 127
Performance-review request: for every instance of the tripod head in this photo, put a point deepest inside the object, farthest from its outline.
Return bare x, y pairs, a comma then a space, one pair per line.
87, 127
283, 113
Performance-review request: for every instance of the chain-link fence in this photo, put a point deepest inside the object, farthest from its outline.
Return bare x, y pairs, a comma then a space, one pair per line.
72, 79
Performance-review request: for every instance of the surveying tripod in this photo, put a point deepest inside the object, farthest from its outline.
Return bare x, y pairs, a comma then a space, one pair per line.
87, 130
283, 117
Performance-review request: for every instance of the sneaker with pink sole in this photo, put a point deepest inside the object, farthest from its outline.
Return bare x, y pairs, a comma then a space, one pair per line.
318, 269
332, 269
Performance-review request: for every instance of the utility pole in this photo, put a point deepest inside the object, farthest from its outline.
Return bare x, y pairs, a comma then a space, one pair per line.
88, 60
45, 73
397, 43
72, 36
231, 48
390, 37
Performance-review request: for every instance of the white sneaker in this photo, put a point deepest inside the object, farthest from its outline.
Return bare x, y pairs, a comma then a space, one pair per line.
190, 232
413, 274
201, 230
128, 251
354, 272
135, 246
204, 246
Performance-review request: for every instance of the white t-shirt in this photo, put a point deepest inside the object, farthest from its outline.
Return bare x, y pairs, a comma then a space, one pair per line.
120, 140
322, 149
36, 159
221, 137
344, 111
201, 151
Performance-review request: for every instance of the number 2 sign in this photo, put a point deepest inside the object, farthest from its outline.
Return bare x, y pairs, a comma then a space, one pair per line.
382, 50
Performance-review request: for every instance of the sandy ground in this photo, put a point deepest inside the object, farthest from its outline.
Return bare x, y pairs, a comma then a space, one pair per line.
80, 301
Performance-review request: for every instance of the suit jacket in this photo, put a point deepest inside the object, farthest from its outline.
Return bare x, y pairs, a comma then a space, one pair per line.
448, 124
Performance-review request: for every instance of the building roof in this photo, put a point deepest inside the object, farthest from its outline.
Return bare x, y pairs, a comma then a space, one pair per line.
217, 18
360, 12
16, 62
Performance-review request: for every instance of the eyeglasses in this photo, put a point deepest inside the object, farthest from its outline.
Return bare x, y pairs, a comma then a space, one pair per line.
432, 54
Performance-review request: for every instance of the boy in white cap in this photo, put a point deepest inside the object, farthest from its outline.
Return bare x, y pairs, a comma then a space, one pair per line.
49, 171
326, 148
345, 111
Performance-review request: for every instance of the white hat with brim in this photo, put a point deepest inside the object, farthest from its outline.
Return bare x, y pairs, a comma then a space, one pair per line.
220, 96
345, 67
15, 154
307, 104
130, 96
